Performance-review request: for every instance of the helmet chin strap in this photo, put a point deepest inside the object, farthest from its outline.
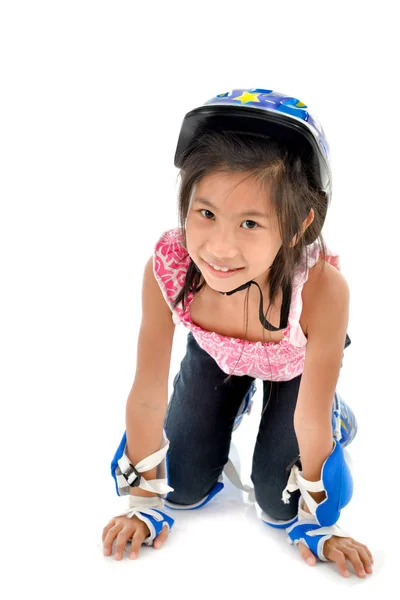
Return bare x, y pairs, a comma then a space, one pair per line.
287, 294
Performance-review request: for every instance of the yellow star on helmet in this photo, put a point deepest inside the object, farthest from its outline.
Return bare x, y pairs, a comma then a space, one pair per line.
246, 97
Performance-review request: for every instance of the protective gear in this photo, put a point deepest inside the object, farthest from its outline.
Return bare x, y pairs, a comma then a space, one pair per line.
344, 427
336, 479
215, 490
268, 114
344, 422
342, 418
305, 529
232, 474
127, 476
271, 521
264, 113
147, 509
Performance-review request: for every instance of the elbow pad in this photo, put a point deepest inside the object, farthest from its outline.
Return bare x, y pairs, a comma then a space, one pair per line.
336, 481
127, 475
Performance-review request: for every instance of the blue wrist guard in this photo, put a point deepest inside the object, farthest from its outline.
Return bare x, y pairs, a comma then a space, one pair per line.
149, 510
307, 530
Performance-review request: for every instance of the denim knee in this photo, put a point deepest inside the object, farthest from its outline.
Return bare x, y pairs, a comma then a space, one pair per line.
188, 496
268, 494
184, 497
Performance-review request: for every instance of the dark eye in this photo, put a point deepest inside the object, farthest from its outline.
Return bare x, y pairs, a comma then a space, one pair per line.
247, 220
204, 209
251, 222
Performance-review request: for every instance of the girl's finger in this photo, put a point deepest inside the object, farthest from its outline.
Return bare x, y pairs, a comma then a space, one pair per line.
109, 539
307, 554
107, 529
364, 556
366, 549
161, 538
136, 543
338, 557
122, 538
352, 554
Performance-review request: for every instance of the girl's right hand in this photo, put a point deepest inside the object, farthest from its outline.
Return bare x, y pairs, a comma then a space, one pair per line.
125, 529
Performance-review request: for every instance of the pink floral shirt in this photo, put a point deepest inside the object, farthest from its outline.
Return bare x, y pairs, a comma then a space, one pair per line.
270, 361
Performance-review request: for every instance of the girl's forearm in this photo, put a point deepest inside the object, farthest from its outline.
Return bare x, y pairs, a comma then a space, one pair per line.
315, 444
144, 425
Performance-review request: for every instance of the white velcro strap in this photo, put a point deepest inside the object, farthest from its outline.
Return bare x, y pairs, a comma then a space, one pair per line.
297, 482
332, 530
137, 503
148, 504
157, 486
233, 476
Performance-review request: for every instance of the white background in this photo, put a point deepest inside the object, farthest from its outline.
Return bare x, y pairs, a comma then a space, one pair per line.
92, 98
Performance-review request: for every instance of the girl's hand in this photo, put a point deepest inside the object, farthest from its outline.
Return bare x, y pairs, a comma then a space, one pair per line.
339, 549
125, 529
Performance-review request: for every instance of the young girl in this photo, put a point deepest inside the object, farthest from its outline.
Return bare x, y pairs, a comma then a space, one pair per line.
255, 189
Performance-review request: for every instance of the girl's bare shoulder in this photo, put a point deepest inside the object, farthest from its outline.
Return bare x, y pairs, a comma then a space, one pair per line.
324, 280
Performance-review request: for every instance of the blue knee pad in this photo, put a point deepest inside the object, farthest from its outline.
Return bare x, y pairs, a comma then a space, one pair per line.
215, 490
271, 521
344, 423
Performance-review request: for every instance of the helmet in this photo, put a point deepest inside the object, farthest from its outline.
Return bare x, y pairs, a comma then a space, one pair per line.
268, 114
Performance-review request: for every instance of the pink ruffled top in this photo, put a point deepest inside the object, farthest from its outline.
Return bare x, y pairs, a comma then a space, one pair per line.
270, 361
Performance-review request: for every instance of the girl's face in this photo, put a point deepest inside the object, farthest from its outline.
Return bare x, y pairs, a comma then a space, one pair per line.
222, 228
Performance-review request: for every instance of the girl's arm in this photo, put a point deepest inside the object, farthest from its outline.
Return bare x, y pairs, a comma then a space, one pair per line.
327, 324
148, 399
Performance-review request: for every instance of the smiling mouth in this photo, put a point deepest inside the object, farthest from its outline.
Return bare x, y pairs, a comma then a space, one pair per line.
219, 270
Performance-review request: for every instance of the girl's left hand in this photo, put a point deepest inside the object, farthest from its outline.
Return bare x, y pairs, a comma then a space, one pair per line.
339, 549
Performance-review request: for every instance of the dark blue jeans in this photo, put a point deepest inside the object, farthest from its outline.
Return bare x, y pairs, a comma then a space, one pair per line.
199, 421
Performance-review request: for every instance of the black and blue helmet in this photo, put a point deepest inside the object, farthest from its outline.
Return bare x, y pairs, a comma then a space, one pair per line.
266, 113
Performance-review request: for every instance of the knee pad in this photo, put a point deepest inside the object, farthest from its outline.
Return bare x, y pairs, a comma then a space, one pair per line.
336, 481
344, 423
271, 521
233, 476
215, 490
